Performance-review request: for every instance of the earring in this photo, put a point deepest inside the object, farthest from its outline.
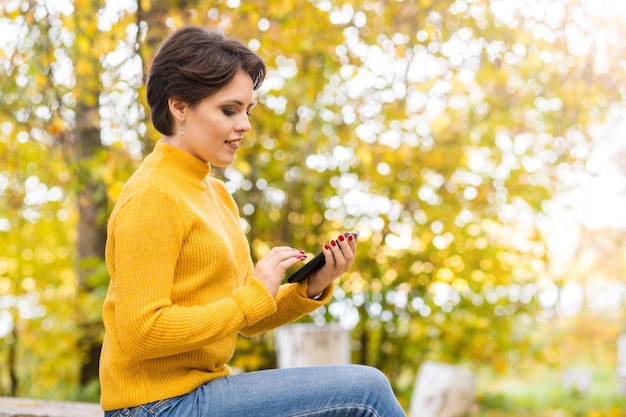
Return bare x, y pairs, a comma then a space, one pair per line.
181, 131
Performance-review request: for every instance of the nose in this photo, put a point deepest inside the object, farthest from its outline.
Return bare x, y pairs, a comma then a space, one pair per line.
243, 125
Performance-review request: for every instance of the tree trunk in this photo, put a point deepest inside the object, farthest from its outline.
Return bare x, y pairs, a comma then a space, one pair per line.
92, 203
92, 207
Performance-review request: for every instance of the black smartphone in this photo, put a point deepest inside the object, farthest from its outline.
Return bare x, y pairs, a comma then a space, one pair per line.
313, 265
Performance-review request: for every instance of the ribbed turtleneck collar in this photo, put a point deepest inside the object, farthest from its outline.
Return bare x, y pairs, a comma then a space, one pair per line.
178, 162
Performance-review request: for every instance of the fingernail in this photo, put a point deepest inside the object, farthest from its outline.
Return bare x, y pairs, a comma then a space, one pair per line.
332, 242
326, 247
341, 238
350, 238
301, 251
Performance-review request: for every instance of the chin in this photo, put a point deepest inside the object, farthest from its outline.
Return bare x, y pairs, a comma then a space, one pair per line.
222, 164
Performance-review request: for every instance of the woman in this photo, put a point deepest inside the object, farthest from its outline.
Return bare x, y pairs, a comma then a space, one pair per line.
183, 284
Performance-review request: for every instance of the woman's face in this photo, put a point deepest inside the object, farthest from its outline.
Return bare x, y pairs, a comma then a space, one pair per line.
214, 128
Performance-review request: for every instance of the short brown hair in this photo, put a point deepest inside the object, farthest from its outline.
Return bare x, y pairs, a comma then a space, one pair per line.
192, 64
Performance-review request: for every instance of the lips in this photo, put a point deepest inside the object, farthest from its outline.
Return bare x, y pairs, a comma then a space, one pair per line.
234, 143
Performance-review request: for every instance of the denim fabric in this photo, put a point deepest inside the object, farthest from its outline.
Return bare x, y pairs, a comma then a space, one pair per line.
322, 391
156, 408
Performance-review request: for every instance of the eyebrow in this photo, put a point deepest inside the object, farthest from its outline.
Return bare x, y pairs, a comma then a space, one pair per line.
239, 103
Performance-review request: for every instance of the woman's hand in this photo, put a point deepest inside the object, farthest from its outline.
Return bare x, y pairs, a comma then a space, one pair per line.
339, 255
270, 270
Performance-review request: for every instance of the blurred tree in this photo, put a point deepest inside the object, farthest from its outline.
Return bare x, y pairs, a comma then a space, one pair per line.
87, 157
438, 129
56, 157
36, 260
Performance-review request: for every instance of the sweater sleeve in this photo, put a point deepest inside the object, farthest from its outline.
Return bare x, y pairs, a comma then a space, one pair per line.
292, 303
149, 231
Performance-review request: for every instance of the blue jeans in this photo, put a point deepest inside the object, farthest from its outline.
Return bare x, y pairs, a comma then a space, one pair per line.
321, 391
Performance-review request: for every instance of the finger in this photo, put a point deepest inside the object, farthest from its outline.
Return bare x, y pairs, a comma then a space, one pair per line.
352, 241
347, 245
279, 251
287, 263
286, 259
328, 256
276, 266
337, 252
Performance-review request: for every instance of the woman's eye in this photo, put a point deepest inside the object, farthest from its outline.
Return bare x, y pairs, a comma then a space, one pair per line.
229, 112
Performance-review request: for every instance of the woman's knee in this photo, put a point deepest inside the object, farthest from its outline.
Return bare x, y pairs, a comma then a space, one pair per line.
366, 376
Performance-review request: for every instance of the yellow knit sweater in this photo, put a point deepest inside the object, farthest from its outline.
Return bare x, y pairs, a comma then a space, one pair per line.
182, 284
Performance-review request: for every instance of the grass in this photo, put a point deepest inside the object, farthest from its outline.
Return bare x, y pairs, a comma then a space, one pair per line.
541, 394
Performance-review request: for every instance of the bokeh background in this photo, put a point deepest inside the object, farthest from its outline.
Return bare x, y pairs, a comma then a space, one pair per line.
478, 146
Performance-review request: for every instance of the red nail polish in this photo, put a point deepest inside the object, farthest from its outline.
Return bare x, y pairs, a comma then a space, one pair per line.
332, 242
326, 247
350, 238
341, 238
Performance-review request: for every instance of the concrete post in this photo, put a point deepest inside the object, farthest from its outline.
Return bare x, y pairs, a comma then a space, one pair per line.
311, 345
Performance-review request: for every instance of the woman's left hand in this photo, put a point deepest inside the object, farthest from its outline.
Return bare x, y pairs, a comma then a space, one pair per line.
339, 255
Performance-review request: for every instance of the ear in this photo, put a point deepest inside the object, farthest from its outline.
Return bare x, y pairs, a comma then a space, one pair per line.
178, 108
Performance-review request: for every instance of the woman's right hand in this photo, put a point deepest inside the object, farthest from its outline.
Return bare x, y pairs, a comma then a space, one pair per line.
270, 270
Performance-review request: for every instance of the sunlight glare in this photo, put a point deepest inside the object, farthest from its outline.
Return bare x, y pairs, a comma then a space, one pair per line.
608, 9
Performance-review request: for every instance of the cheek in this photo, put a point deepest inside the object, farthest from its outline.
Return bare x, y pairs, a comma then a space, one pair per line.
206, 124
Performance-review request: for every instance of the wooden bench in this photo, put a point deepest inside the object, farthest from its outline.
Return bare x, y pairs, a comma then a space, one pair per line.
26, 407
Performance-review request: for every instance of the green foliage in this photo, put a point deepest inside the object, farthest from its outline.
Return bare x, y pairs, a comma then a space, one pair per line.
544, 397
438, 129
